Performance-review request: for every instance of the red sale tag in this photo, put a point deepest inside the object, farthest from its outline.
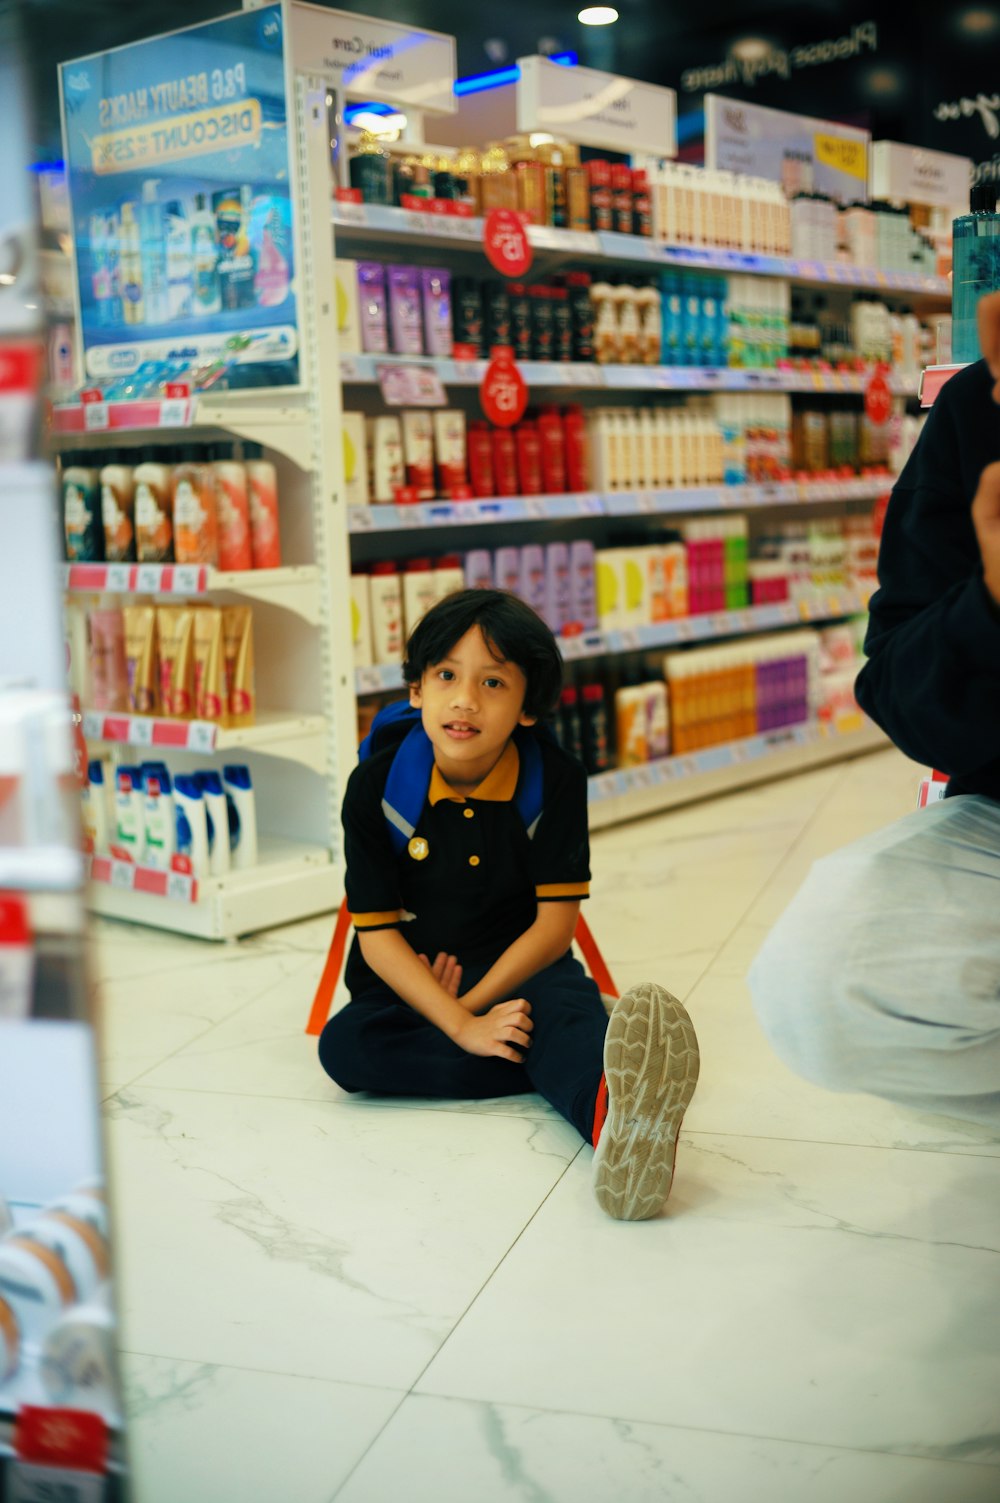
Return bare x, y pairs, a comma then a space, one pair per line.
878, 399
61, 1437
505, 241
20, 367
503, 394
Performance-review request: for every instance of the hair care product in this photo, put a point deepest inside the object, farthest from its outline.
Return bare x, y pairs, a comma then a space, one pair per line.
158, 816
35, 1284
480, 445
373, 308
507, 569
582, 314
530, 180
192, 497
130, 265
418, 452
262, 489
242, 828
418, 591
370, 170
385, 448
345, 289
521, 336
81, 505
386, 612
77, 1366
582, 609
478, 569
497, 302
596, 749
109, 689
232, 498
562, 325
542, 323
570, 722
449, 576
129, 825
192, 825
154, 529
405, 320
577, 199
533, 579
205, 259
467, 317
621, 198
553, 451
504, 462
240, 690
209, 665
118, 508
601, 209
175, 632
976, 250
140, 658
10, 1342
450, 447
557, 586
96, 817
217, 820
529, 459
630, 727
435, 287
235, 264
355, 447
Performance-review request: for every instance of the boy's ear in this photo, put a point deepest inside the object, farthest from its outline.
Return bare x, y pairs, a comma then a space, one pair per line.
415, 696
524, 719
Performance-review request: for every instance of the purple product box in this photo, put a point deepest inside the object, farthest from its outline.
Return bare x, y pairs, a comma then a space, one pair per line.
405, 321
478, 565
507, 569
533, 577
557, 586
372, 308
435, 286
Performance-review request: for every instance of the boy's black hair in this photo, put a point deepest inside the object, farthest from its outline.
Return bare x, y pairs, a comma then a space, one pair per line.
513, 632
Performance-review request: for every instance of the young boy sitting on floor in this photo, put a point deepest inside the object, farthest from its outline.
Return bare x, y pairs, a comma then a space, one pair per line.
504, 1007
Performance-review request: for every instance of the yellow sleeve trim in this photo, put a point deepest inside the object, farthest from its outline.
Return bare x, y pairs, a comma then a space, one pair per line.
377, 920
563, 890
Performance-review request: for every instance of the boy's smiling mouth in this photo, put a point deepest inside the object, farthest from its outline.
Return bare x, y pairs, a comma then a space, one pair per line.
460, 730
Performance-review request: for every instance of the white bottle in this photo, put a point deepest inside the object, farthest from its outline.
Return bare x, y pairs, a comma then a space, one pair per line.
159, 817
180, 261
192, 825
130, 830
361, 620
449, 576
242, 817
657, 720
217, 814
385, 443
96, 819
386, 594
205, 259
649, 466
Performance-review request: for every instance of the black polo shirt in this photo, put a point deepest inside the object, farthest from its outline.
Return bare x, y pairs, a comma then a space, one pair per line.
478, 880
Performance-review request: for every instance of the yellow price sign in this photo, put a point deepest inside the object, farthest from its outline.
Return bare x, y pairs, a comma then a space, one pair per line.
850, 157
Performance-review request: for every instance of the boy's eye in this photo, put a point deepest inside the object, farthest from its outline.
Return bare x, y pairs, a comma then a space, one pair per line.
494, 683
445, 674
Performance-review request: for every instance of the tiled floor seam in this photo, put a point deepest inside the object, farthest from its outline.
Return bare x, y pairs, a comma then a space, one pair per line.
411, 1391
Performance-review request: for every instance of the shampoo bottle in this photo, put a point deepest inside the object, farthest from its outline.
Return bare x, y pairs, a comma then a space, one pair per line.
242, 816
217, 817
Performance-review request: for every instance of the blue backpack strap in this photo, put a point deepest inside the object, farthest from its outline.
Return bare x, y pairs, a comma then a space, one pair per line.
406, 786
528, 797
389, 727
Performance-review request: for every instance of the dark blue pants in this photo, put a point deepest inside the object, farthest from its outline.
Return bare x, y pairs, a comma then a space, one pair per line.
380, 1044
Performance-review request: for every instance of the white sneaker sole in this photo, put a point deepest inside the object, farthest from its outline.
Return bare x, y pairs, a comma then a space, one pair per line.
651, 1064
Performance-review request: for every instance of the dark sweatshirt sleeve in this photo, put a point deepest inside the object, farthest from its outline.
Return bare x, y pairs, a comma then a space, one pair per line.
932, 680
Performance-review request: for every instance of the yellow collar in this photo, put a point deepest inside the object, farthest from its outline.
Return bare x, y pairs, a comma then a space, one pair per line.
498, 786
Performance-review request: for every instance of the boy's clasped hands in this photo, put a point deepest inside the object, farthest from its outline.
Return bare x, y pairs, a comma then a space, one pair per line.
495, 1031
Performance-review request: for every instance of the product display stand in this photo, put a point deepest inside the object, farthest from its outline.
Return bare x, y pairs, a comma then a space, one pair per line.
301, 746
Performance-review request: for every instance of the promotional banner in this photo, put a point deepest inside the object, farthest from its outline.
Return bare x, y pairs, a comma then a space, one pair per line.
373, 58
178, 161
803, 154
917, 176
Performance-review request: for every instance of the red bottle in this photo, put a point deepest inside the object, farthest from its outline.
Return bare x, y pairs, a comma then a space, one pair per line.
577, 449
553, 441
529, 459
504, 462
481, 460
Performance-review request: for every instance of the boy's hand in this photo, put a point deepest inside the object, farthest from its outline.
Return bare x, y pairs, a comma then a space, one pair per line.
447, 971
986, 520
495, 1033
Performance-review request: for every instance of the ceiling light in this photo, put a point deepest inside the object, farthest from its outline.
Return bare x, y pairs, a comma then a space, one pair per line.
979, 22
379, 125
598, 15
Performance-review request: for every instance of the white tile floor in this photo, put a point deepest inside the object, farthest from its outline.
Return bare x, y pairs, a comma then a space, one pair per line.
419, 1302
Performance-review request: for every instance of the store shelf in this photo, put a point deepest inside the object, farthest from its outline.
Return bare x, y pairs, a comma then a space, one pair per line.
635, 792
299, 738
503, 509
383, 678
40, 869
933, 379
362, 370
377, 222
292, 881
279, 419
295, 589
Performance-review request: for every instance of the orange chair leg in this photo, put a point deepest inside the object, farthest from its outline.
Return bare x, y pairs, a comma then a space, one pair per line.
594, 958
331, 972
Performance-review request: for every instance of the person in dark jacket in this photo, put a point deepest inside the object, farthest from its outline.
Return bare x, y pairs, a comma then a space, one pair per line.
883, 975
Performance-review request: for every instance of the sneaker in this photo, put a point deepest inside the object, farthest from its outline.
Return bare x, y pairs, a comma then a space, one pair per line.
651, 1066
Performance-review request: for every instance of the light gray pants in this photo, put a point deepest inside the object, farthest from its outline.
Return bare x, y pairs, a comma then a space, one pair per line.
883, 974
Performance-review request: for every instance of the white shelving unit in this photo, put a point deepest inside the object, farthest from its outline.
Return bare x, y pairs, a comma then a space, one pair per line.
368, 231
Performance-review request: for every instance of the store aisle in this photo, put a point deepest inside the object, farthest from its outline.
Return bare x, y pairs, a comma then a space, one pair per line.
419, 1302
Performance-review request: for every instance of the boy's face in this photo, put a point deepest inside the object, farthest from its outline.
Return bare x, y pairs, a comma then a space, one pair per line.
469, 707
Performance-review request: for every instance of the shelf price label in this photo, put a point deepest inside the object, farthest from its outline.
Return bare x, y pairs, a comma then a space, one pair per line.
95, 417
505, 242
140, 731
174, 412
411, 386
201, 736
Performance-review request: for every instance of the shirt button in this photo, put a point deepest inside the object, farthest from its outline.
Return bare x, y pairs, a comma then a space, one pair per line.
469, 813
473, 860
